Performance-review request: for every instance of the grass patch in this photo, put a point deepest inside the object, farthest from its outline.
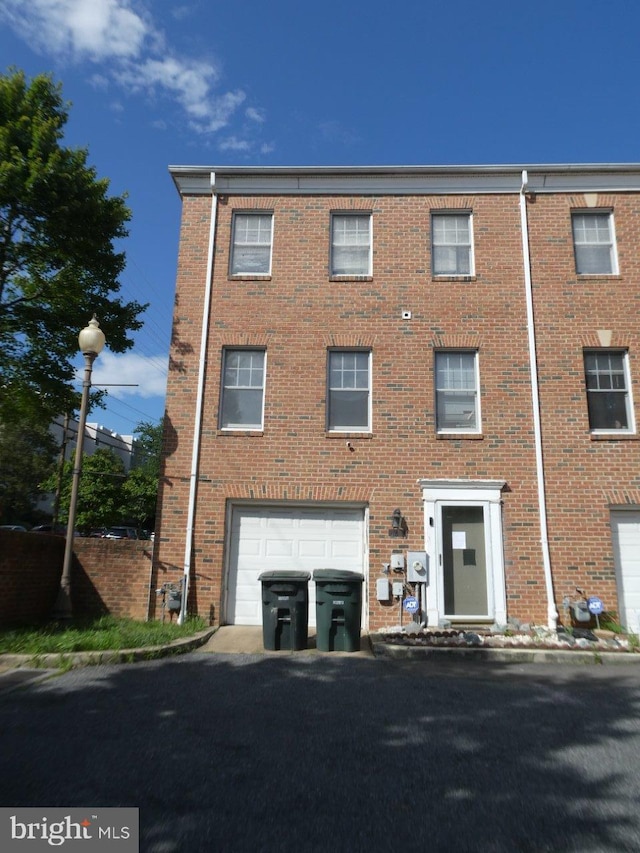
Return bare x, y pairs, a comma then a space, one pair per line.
97, 635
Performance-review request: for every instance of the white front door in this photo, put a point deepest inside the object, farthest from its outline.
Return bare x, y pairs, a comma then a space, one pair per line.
463, 540
625, 535
286, 538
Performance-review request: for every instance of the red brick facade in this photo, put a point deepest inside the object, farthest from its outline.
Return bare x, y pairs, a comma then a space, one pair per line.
298, 312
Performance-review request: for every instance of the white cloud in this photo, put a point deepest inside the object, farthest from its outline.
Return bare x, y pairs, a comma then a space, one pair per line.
147, 373
98, 29
232, 143
131, 50
255, 115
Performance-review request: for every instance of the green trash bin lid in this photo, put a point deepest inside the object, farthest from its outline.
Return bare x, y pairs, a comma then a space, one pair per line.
337, 575
284, 576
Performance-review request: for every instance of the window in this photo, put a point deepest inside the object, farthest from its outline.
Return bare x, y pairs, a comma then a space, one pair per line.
349, 391
608, 398
594, 243
242, 389
457, 404
350, 244
451, 242
251, 249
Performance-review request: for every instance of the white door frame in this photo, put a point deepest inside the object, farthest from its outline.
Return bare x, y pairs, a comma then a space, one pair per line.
485, 493
628, 617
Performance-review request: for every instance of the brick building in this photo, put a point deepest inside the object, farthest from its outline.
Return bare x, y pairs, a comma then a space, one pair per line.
407, 359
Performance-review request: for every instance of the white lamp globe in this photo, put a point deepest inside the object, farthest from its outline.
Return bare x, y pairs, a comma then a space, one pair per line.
91, 339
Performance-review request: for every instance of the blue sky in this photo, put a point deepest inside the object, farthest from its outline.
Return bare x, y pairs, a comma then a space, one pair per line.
202, 82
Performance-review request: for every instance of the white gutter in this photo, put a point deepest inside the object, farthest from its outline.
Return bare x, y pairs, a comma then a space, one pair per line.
552, 613
197, 424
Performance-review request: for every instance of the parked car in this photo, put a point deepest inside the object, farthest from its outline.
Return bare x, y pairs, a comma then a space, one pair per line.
121, 533
13, 527
58, 529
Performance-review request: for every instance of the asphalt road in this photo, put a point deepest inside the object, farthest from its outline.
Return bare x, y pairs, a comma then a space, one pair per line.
298, 753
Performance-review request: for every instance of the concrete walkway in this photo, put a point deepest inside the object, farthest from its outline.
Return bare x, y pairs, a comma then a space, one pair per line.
247, 640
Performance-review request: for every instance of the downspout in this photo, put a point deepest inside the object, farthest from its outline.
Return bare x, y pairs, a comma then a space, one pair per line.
197, 424
552, 613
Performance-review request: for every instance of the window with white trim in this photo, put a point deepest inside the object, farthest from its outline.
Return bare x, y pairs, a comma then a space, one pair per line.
351, 244
594, 243
457, 398
251, 244
451, 244
608, 395
242, 398
349, 391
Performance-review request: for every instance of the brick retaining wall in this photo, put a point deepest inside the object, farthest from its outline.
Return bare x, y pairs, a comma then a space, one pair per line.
108, 576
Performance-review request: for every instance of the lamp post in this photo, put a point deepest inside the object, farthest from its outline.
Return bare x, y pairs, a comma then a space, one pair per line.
91, 341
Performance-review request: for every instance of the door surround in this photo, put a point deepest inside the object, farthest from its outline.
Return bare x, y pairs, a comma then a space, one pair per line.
485, 493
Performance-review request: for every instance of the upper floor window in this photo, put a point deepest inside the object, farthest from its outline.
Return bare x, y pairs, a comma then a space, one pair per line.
451, 244
251, 244
349, 393
457, 402
594, 243
242, 403
351, 244
608, 396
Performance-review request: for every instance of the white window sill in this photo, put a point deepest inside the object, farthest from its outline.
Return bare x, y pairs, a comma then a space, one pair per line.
250, 276
449, 277
614, 435
477, 436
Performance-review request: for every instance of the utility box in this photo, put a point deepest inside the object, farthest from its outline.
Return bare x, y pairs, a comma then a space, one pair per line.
397, 562
383, 592
417, 567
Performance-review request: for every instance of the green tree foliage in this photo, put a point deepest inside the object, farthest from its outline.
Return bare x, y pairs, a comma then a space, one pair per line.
99, 492
107, 495
58, 264
139, 496
148, 452
27, 451
141, 486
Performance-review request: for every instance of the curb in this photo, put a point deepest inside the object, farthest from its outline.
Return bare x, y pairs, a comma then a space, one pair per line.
493, 655
53, 660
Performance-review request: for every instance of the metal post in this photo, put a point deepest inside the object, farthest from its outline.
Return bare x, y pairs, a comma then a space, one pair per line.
63, 609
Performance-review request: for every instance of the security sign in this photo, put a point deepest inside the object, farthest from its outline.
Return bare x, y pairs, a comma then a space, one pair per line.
411, 604
595, 605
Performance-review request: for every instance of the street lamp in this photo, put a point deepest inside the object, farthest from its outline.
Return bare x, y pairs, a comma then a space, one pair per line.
91, 341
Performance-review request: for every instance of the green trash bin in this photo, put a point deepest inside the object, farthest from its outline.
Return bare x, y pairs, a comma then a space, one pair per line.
285, 610
338, 610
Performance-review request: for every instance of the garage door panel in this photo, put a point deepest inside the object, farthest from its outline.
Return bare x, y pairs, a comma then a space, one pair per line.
312, 548
297, 539
625, 530
279, 548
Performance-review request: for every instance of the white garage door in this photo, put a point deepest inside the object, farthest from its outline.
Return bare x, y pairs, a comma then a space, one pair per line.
265, 539
625, 529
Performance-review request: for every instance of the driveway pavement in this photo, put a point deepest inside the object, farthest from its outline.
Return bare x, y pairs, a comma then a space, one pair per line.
296, 752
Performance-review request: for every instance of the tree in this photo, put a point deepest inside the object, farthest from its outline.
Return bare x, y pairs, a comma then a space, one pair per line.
99, 490
26, 458
58, 264
141, 486
148, 449
106, 494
